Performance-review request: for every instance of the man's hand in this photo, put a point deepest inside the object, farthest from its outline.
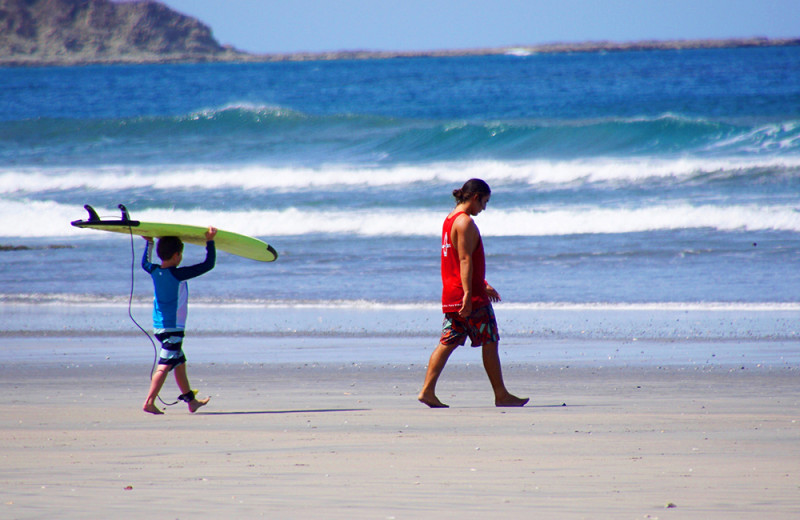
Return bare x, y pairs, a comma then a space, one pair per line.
494, 296
466, 306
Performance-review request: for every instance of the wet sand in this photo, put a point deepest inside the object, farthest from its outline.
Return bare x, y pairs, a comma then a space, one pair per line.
347, 438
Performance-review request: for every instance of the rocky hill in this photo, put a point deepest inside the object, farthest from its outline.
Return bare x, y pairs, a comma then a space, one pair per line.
77, 32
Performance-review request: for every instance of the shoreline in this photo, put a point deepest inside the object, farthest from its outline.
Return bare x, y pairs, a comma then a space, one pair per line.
522, 50
113, 350
520, 324
327, 425
588, 337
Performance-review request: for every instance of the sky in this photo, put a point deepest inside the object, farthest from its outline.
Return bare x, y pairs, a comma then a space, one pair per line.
285, 26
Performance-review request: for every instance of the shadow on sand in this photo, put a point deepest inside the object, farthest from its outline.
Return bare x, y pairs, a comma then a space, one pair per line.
260, 412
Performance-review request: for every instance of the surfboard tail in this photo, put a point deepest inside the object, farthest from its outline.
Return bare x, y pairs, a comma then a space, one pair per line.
93, 217
124, 210
95, 220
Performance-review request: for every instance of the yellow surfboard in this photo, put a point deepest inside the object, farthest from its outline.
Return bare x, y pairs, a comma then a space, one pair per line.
234, 243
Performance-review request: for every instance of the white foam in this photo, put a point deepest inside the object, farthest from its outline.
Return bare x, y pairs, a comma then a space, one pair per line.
88, 300
767, 138
535, 173
251, 108
580, 220
21, 218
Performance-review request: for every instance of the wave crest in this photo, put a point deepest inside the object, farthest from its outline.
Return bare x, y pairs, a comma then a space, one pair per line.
542, 174
50, 219
265, 132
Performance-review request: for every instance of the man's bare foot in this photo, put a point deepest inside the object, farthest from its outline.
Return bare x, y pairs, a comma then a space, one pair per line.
433, 402
511, 400
151, 408
194, 404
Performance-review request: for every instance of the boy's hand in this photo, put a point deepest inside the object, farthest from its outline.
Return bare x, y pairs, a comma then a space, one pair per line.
149, 239
211, 233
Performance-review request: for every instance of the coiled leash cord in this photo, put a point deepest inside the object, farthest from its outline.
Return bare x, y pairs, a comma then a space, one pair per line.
130, 315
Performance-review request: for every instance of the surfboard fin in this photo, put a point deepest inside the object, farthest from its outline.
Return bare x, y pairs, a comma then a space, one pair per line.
93, 217
125, 216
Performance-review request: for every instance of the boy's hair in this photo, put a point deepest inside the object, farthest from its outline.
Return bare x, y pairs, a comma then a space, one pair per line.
168, 246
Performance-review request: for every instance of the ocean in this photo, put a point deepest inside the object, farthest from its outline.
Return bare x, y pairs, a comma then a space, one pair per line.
654, 181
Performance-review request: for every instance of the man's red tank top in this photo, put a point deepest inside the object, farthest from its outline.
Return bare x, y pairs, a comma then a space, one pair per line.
452, 292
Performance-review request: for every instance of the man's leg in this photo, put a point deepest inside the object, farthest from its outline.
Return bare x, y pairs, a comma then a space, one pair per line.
491, 362
436, 364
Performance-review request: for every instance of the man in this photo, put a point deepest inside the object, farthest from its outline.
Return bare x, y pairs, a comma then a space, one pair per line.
466, 297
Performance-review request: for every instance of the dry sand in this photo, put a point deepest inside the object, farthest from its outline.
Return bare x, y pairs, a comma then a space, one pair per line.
345, 440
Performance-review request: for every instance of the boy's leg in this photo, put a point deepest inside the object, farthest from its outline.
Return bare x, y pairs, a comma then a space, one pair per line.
491, 362
157, 381
182, 379
183, 384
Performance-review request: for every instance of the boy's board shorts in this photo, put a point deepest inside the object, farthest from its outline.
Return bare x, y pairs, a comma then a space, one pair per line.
480, 326
171, 349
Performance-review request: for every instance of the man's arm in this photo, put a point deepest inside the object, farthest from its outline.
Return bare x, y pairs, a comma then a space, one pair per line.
466, 240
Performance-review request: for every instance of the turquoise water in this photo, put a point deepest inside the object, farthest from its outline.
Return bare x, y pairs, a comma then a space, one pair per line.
628, 178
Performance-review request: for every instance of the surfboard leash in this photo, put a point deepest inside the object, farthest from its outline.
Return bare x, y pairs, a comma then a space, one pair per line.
130, 315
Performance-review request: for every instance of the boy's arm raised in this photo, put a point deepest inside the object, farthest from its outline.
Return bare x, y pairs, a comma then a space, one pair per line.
147, 265
185, 273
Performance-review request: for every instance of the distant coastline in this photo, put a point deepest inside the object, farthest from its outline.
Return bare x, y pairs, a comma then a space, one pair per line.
527, 50
231, 55
38, 33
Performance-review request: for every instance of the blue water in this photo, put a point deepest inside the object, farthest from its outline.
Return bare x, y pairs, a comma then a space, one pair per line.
628, 178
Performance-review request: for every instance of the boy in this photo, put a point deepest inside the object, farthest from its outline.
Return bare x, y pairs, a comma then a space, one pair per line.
169, 313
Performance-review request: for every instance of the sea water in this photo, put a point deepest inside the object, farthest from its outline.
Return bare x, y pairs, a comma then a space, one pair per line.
655, 181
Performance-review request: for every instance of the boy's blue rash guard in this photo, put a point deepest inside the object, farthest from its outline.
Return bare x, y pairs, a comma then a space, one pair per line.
171, 290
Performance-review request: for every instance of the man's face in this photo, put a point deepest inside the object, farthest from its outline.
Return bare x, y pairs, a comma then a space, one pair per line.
482, 200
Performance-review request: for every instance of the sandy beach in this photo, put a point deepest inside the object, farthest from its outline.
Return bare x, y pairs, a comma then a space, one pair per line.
288, 437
